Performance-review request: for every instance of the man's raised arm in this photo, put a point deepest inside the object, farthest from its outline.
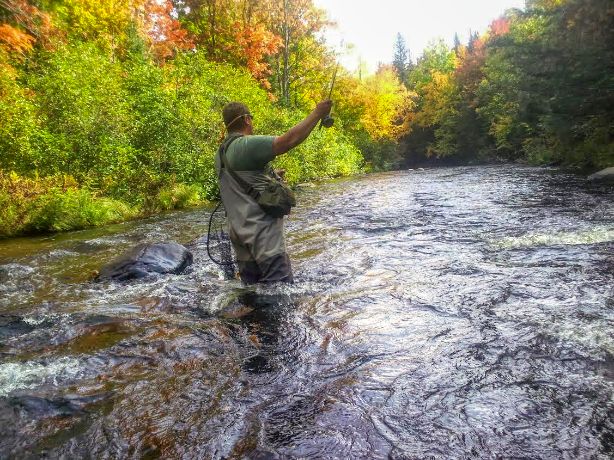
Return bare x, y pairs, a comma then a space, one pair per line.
299, 132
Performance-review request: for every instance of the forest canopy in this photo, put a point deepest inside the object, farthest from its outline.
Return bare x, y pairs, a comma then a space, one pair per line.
110, 109
537, 86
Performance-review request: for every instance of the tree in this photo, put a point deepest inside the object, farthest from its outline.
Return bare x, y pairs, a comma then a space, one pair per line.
436, 57
302, 56
473, 37
472, 132
457, 43
22, 25
162, 30
401, 61
233, 31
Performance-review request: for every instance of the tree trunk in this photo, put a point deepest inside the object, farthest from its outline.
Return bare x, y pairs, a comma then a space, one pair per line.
285, 76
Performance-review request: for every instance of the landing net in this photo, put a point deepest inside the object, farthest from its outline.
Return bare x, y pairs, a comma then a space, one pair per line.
219, 247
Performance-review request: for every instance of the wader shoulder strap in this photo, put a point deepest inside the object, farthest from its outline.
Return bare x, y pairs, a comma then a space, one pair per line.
222, 149
247, 188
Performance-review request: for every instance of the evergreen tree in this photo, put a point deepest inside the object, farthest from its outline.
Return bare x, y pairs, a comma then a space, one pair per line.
401, 61
473, 37
457, 43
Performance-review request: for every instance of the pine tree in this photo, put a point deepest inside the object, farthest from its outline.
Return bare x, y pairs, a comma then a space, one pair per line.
473, 37
402, 60
457, 43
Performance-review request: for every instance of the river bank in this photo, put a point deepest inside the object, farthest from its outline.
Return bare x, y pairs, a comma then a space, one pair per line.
58, 204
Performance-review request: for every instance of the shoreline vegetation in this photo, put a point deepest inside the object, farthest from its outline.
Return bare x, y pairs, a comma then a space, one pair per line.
113, 113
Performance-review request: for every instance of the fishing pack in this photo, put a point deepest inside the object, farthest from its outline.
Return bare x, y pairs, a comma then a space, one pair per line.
276, 199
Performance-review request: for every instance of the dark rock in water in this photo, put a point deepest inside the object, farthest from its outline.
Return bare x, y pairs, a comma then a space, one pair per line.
606, 174
43, 406
147, 259
11, 325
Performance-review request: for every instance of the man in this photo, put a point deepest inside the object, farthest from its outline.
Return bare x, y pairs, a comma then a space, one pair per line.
257, 238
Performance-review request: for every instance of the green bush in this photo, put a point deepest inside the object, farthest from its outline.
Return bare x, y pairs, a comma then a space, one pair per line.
10, 215
53, 204
74, 209
539, 153
133, 137
177, 196
18, 124
85, 111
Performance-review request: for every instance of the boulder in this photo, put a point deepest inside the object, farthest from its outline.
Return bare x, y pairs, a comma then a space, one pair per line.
145, 260
606, 174
12, 325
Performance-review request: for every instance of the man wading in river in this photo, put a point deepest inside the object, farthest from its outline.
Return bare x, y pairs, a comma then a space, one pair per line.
242, 165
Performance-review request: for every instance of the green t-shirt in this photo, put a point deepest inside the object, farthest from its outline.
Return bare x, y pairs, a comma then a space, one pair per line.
250, 153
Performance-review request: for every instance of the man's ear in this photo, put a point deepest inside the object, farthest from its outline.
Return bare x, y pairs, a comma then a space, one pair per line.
249, 123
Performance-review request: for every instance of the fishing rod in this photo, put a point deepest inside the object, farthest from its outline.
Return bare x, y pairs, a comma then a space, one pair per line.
328, 121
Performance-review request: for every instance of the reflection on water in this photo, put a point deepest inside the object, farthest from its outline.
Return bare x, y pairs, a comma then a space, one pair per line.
450, 313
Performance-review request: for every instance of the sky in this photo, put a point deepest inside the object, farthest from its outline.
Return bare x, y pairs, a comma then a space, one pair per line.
372, 25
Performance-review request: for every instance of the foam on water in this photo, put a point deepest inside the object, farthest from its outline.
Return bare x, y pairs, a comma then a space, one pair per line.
37, 320
589, 236
592, 337
30, 374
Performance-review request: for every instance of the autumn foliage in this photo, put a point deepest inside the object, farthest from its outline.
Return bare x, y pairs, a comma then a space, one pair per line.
122, 99
164, 32
25, 26
536, 86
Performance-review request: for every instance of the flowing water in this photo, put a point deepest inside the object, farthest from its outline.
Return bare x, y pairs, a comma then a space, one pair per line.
446, 313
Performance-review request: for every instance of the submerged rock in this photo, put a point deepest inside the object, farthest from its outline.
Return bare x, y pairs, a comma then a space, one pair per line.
606, 174
12, 325
145, 260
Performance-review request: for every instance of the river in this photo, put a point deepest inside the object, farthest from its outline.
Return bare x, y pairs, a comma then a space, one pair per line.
441, 313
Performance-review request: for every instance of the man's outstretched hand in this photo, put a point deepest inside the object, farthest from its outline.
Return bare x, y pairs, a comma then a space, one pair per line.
323, 108
299, 132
